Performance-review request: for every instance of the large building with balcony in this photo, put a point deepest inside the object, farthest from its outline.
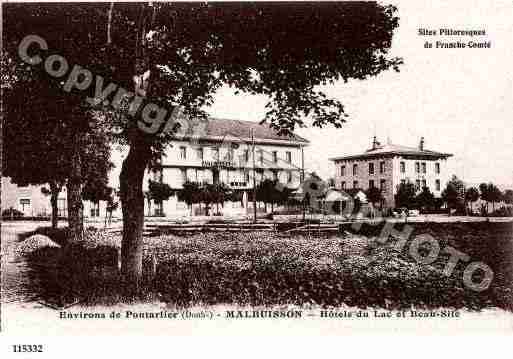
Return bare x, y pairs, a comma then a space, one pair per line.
231, 152
387, 166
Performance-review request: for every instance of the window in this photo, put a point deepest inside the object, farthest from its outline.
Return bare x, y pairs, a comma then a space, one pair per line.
403, 167
246, 156
417, 167
382, 167
215, 153
423, 167
229, 155
371, 168
437, 168
417, 185
382, 184
289, 177
61, 205
199, 153
343, 185
343, 170
275, 175
437, 185
371, 183
424, 184
355, 169
261, 157
355, 184
288, 156
246, 177
95, 209
183, 152
275, 156
184, 174
25, 204
159, 208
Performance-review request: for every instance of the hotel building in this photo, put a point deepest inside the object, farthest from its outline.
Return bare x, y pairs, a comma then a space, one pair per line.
386, 166
229, 152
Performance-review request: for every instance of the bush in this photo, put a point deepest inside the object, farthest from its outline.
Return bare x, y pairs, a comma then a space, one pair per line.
502, 212
268, 269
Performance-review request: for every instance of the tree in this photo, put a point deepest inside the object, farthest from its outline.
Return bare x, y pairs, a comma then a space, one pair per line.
190, 193
405, 195
38, 148
159, 191
490, 193
494, 194
484, 194
112, 205
96, 190
215, 193
508, 196
374, 195
471, 196
454, 194
425, 199
264, 192
184, 52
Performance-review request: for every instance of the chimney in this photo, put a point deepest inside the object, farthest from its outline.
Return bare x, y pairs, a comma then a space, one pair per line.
375, 143
421, 144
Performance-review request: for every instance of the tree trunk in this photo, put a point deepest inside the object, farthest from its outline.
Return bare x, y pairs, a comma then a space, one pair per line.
54, 194
74, 195
132, 205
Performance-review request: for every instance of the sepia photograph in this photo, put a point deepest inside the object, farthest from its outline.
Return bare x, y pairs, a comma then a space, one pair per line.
256, 167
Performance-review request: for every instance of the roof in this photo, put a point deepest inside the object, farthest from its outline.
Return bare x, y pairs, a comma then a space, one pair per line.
218, 129
391, 150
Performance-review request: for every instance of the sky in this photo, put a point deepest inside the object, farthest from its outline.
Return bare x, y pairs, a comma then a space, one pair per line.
460, 100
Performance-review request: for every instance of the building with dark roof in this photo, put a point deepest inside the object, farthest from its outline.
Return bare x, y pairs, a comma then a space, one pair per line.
230, 152
387, 166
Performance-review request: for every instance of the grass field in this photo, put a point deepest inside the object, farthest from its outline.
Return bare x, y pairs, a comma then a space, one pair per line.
269, 269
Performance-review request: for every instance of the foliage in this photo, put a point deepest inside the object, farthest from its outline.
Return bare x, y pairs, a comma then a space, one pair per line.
273, 192
190, 193
96, 191
159, 191
494, 194
471, 195
265, 269
508, 196
405, 195
12, 212
425, 199
374, 195
454, 194
490, 193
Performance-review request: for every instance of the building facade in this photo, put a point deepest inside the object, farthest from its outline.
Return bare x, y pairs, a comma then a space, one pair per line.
30, 200
387, 166
230, 152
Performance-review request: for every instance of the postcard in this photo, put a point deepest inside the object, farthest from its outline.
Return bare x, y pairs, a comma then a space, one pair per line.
256, 168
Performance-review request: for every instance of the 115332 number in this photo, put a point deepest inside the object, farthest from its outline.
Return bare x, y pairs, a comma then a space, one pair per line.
27, 348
